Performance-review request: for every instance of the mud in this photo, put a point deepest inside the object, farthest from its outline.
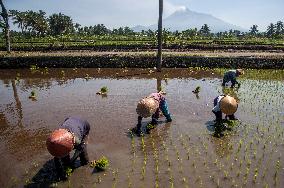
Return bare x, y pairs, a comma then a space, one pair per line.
183, 153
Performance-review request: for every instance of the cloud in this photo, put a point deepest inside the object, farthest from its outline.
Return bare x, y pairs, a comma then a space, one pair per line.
170, 8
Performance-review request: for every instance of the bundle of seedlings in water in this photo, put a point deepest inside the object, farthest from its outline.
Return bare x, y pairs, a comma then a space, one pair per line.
87, 77
63, 74
33, 95
197, 90
68, 171
45, 70
34, 68
100, 164
149, 127
103, 91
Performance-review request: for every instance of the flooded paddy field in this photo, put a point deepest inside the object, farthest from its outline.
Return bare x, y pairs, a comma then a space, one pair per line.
183, 153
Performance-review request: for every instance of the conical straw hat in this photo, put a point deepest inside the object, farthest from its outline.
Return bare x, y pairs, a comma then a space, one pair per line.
147, 107
60, 143
241, 71
228, 105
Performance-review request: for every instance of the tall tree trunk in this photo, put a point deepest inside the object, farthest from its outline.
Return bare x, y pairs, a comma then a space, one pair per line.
4, 14
160, 33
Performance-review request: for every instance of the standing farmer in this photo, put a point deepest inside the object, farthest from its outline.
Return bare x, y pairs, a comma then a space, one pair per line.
232, 75
151, 106
72, 134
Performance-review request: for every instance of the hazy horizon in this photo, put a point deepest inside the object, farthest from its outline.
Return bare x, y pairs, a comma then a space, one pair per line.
116, 13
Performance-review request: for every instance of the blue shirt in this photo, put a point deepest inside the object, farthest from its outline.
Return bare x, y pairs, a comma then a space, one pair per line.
79, 127
230, 75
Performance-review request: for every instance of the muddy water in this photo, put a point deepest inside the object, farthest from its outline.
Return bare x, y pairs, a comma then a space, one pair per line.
183, 153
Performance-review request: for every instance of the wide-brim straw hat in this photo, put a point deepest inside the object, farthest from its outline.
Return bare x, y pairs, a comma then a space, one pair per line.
147, 107
60, 143
228, 105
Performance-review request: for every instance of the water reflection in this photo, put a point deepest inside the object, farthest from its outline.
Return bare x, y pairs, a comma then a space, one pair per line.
25, 124
18, 104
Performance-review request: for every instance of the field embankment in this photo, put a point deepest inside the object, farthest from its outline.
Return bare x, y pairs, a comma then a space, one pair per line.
195, 58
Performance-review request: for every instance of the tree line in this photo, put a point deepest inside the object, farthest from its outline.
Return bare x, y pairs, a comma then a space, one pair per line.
37, 23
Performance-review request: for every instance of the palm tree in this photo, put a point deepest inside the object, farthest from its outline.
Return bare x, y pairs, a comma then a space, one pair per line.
60, 24
6, 27
160, 29
253, 30
270, 30
18, 19
205, 31
279, 28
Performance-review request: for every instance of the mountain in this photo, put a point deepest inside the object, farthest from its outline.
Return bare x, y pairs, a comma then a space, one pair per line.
187, 19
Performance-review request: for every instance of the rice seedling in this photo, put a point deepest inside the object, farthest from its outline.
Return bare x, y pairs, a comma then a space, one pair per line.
45, 71
100, 164
99, 180
68, 171
34, 68
33, 95
103, 91
17, 78
87, 77
197, 90
62, 74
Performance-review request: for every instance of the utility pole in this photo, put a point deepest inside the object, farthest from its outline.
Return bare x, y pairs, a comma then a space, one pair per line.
160, 33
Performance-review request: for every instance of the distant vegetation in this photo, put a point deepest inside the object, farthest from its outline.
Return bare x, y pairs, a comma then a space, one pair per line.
38, 29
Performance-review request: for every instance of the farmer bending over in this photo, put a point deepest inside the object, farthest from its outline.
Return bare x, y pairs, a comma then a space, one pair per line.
72, 134
151, 106
224, 104
232, 75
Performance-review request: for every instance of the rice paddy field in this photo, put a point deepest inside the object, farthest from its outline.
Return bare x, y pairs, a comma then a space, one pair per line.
183, 153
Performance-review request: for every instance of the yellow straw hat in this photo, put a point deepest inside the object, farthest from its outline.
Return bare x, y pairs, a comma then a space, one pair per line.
228, 105
147, 107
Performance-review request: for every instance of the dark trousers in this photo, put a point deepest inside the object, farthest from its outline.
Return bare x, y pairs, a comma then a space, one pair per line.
163, 106
218, 114
62, 163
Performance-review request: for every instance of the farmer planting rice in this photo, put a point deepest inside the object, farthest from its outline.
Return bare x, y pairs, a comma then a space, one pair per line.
72, 134
232, 75
224, 104
151, 106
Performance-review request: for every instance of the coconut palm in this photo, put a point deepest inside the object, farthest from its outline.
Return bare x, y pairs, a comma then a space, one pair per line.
270, 30
205, 31
279, 28
60, 24
18, 18
5, 26
253, 30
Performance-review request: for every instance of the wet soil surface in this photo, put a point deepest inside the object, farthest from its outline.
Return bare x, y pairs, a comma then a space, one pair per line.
183, 153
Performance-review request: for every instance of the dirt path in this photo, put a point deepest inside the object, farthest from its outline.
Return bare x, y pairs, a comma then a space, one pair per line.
260, 54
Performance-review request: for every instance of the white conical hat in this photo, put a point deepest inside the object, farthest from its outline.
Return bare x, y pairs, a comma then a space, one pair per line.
147, 107
228, 105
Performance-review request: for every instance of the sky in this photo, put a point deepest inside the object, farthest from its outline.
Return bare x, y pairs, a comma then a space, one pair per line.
116, 13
